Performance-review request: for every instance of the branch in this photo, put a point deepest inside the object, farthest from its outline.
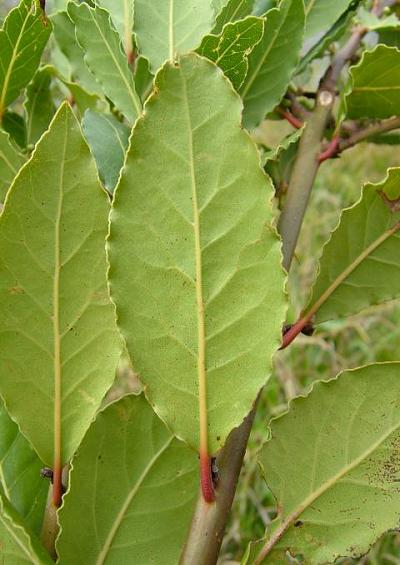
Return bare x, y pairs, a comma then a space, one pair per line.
373, 129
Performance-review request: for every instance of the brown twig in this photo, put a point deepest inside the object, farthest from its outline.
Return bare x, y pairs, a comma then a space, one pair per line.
373, 129
295, 122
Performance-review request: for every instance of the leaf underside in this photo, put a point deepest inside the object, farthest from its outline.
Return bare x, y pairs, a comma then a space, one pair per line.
364, 246
333, 466
58, 342
143, 495
197, 181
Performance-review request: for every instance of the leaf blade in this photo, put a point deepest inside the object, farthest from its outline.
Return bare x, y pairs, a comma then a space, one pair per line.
364, 261
25, 28
167, 29
161, 263
154, 486
41, 288
346, 462
10, 163
273, 61
104, 57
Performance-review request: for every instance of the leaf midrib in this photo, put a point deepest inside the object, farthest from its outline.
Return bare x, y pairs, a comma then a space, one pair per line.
293, 516
120, 516
56, 312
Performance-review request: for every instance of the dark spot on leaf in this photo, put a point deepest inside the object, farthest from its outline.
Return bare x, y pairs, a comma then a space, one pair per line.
298, 524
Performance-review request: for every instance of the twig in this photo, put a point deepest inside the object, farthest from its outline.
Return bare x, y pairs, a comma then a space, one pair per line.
373, 129
295, 122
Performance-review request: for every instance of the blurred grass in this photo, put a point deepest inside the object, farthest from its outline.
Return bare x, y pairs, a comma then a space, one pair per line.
371, 336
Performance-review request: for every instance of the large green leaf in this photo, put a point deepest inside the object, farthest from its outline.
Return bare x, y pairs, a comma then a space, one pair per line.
20, 479
360, 264
273, 61
333, 466
64, 32
121, 12
139, 507
10, 162
231, 49
108, 140
104, 57
22, 40
233, 11
195, 267
322, 14
58, 346
374, 87
39, 105
17, 545
167, 28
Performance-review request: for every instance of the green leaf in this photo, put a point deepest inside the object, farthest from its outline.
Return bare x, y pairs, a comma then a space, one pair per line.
39, 105
335, 32
322, 14
108, 140
121, 12
22, 40
15, 126
167, 29
10, 163
359, 265
231, 49
333, 466
64, 32
20, 479
104, 57
58, 344
17, 545
143, 78
291, 139
233, 11
195, 267
373, 23
374, 87
218, 5
143, 496
272, 61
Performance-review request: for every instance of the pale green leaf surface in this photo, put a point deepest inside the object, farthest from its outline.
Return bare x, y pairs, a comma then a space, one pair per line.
373, 23
39, 105
57, 329
218, 5
374, 87
18, 547
64, 32
166, 28
231, 49
20, 479
105, 58
121, 12
363, 246
108, 140
22, 39
233, 11
333, 465
143, 496
334, 33
192, 175
285, 143
322, 14
272, 61
10, 163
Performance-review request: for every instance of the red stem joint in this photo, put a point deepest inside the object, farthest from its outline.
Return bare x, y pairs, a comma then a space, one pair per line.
206, 480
